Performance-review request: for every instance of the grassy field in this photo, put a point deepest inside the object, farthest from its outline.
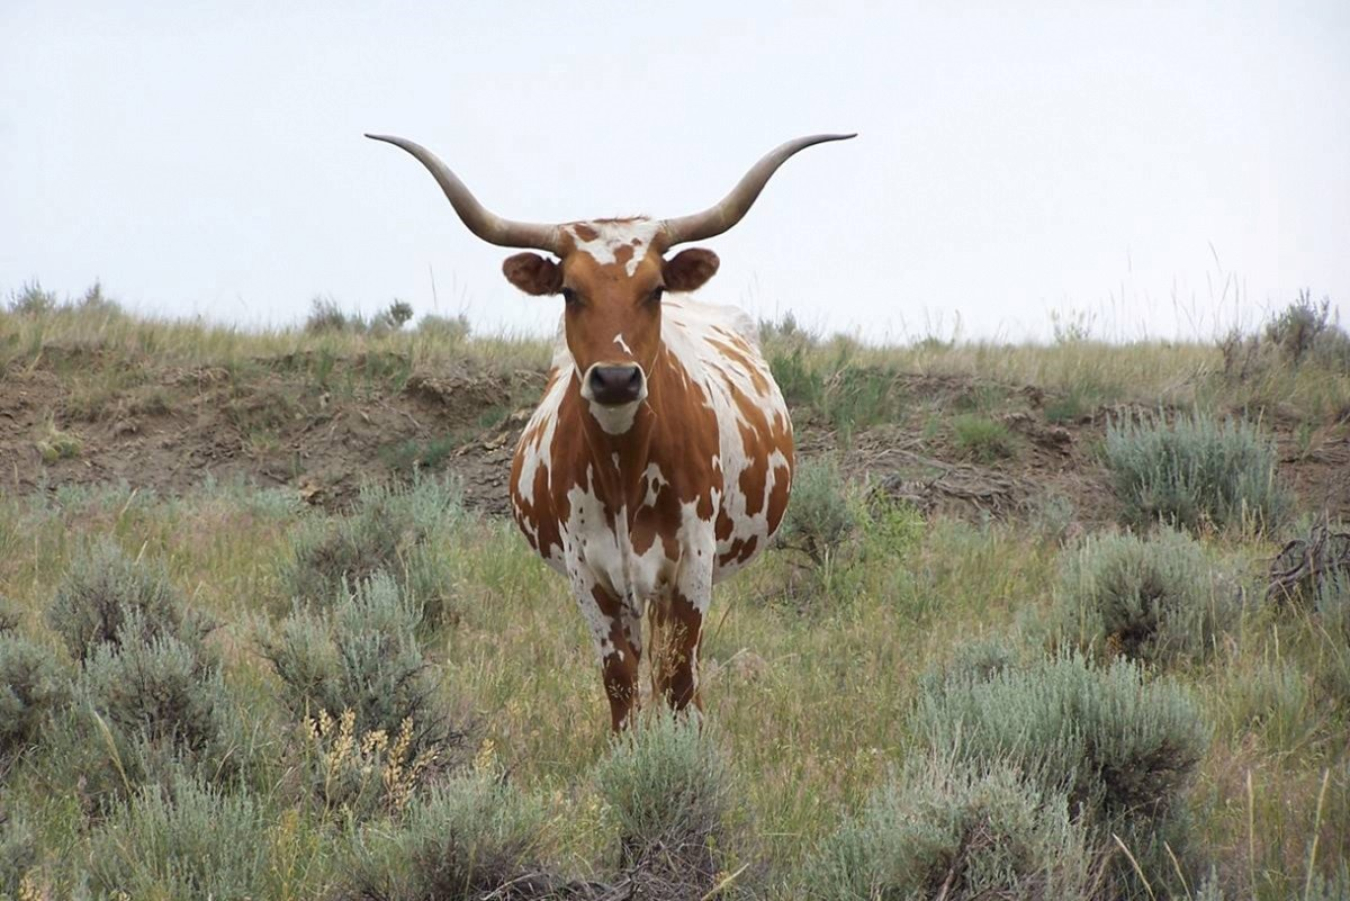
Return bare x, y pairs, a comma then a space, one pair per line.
201, 751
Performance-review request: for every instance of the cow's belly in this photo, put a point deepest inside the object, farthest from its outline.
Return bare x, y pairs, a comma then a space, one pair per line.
757, 483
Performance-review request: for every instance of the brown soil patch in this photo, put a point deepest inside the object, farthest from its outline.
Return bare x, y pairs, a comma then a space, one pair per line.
277, 426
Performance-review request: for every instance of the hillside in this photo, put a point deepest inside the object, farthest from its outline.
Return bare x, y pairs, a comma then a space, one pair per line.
94, 396
265, 632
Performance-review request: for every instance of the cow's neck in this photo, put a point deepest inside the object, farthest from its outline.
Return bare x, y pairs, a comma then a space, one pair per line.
619, 461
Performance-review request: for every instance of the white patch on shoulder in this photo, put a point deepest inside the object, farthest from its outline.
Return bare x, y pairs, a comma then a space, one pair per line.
610, 236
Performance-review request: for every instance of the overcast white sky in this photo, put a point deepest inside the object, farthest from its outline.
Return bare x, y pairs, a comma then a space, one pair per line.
1013, 158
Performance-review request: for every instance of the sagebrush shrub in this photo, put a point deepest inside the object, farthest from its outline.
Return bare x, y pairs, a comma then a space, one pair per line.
10, 617
105, 590
18, 853
1151, 598
668, 790
972, 661
468, 838
325, 316
161, 689
405, 532
362, 654
1331, 350
665, 778
32, 684
184, 840
1297, 327
959, 831
450, 329
1123, 749
1193, 470
820, 516
1332, 603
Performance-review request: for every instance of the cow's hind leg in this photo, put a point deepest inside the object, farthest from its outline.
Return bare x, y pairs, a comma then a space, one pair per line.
616, 630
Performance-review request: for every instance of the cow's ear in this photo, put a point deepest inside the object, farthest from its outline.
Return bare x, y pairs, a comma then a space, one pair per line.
533, 274
689, 269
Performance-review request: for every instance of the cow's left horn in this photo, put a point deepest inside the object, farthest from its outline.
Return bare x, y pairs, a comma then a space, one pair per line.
717, 219
482, 222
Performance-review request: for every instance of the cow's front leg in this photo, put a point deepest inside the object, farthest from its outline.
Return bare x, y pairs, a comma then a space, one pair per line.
677, 626
617, 632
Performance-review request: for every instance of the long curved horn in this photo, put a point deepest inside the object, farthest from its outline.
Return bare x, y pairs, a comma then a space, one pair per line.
483, 223
717, 219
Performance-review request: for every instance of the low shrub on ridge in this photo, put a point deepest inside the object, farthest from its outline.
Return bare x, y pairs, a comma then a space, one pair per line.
1193, 471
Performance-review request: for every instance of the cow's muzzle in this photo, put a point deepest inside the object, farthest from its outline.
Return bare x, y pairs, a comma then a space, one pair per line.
615, 386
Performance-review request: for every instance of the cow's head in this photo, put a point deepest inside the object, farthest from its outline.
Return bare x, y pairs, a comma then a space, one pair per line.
611, 274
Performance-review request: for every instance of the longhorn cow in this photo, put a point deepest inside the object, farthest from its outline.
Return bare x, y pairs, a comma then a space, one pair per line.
660, 458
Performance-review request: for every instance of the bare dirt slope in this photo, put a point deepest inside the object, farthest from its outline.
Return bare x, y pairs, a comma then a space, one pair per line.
278, 427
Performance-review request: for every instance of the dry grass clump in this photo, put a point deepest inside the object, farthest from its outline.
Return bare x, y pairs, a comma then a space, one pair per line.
361, 775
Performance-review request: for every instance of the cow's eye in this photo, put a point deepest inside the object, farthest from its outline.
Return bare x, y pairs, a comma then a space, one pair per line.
657, 293
569, 296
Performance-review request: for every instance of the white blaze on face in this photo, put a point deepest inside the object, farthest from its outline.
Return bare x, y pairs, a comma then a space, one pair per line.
623, 345
611, 235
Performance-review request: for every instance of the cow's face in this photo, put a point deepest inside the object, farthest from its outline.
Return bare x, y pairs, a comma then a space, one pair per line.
612, 279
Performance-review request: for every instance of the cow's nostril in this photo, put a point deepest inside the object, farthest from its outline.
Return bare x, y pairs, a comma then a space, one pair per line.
615, 384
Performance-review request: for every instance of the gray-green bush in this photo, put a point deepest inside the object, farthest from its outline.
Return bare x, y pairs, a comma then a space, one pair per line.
1153, 599
668, 790
957, 831
820, 516
974, 661
184, 840
1296, 328
470, 837
1192, 470
406, 532
18, 852
9, 612
32, 685
105, 591
1120, 747
161, 689
1332, 603
361, 654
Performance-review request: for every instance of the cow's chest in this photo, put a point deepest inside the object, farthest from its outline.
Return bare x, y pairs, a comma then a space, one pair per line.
643, 547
